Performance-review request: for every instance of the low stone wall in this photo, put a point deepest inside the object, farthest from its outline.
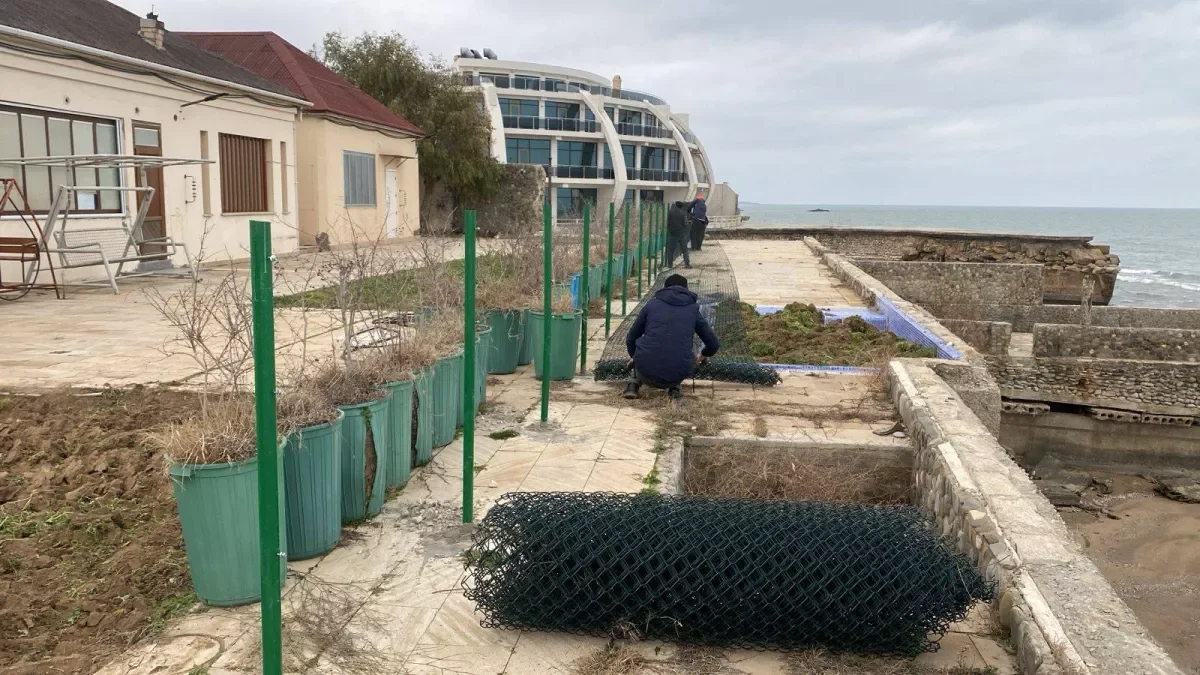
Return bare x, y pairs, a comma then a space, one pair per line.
1103, 438
987, 337
1146, 386
948, 283
1063, 615
1023, 317
1106, 342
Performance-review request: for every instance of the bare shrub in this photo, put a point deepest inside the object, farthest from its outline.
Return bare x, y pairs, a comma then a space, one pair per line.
222, 430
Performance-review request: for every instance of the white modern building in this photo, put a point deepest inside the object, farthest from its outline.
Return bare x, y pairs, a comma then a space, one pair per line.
570, 121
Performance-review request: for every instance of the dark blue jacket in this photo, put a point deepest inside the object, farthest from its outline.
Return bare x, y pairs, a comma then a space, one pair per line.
660, 340
698, 210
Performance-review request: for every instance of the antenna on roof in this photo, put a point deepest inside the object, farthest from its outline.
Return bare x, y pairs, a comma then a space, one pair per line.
463, 52
489, 54
475, 54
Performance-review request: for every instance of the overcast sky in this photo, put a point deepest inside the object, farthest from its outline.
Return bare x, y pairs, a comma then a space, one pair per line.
972, 102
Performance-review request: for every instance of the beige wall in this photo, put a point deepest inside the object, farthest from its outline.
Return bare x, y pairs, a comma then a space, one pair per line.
322, 190
84, 89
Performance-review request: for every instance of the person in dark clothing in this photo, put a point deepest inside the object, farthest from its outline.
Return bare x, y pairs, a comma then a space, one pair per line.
677, 234
660, 340
698, 212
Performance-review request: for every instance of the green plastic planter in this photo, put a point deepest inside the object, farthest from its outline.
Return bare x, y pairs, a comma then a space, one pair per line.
505, 352
525, 355
595, 281
312, 474
423, 438
218, 509
360, 500
564, 344
400, 419
447, 398
483, 350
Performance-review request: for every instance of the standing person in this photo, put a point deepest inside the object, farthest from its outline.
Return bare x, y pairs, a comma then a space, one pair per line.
698, 212
677, 234
660, 340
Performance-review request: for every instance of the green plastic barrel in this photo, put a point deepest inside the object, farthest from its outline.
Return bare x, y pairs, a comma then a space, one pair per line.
525, 356
564, 344
447, 398
423, 438
400, 419
218, 509
365, 425
595, 281
483, 353
505, 351
312, 471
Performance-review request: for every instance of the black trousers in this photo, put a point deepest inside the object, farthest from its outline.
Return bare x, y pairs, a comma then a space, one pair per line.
698, 229
677, 242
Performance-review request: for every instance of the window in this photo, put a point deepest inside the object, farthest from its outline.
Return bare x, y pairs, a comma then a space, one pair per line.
283, 176
653, 196
498, 79
554, 85
34, 133
630, 153
358, 176
562, 110
611, 112
528, 151
576, 153
589, 115
243, 174
673, 160
607, 155
652, 158
628, 198
205, 175
631, 117
525, 107
526, 82
571, 201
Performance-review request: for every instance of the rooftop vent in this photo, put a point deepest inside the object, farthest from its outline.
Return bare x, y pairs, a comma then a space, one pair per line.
489, 54
464, 52
475, 54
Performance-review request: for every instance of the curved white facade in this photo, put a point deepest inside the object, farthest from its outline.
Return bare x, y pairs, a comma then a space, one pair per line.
570, 121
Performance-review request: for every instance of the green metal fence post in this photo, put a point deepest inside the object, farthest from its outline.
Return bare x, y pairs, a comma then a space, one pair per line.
641, 254
468, 393
650, 250
547, 285
262, 301
666, 241
624, 264
585, 295
608, 270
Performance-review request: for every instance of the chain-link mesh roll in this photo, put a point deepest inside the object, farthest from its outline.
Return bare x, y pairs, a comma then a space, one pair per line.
723, 572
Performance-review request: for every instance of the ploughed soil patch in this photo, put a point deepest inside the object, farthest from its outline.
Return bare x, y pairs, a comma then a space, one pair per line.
797, 334
91, 552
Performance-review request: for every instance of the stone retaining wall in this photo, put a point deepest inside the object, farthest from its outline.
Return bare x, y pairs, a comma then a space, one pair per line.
950, 283
987, 337
1105, 342
1147, 386
1023, 317
1063, 615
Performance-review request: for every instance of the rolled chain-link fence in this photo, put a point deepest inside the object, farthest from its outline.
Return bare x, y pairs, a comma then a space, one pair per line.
721, 572
711, 279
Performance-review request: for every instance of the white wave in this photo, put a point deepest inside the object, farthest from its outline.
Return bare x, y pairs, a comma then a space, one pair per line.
1126, 271
1162, 282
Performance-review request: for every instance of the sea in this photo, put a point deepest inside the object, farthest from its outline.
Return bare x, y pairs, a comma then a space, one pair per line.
1159, 248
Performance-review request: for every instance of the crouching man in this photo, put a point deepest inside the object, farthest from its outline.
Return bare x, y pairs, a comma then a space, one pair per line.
660, 340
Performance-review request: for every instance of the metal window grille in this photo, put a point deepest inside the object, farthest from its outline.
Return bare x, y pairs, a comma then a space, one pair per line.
243, 174
359, 176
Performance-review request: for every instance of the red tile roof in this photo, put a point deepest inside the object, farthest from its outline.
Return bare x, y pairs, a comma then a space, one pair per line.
275, 59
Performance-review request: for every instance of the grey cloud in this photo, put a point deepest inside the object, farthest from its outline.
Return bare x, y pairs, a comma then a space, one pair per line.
1071, 102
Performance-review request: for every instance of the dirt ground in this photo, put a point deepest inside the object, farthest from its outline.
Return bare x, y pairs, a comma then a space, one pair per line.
91, 553
1150, 556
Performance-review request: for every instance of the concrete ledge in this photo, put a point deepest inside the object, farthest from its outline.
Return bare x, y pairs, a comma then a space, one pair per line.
1108, 342
1063, 614
1158, 387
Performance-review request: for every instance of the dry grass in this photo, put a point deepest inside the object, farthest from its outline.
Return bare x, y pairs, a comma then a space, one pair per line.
796, 474
760, 426
221, 431
348, 383
624, 660
818, 662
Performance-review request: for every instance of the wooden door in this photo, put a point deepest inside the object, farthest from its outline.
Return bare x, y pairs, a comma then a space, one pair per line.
147, 141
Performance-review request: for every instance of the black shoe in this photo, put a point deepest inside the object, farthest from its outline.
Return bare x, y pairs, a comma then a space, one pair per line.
675, 393
631, 391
